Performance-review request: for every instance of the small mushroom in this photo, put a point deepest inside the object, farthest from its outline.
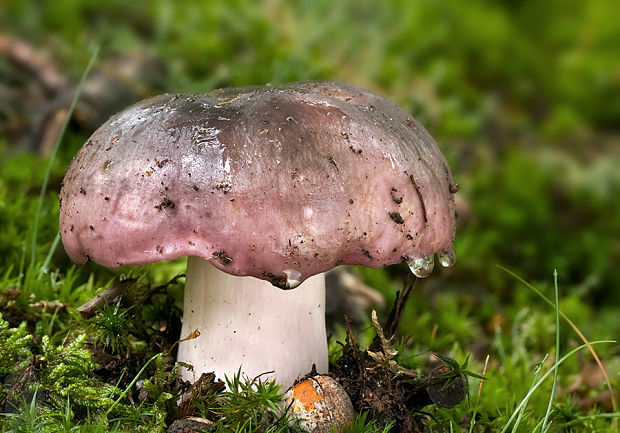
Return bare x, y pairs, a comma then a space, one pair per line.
320, 404
263, 188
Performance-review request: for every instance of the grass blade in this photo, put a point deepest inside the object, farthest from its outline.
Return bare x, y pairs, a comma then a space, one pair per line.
50, 253
581, 336
133, 382
562, 427
557, 349
542, 379
472, 423
522, 411
48, 170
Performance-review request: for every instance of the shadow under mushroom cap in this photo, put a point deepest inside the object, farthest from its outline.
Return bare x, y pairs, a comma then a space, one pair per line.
273, 182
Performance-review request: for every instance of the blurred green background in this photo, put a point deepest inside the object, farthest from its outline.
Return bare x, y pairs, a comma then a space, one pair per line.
523, 97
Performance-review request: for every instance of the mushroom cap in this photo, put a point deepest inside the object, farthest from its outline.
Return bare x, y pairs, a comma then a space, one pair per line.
279, 183
320, 403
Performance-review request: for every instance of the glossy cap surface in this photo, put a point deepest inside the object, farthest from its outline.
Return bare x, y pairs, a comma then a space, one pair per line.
279, 183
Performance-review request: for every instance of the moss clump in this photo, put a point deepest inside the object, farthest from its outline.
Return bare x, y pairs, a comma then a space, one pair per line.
14, 348
15, 352
157, 387
67, 377
68, 372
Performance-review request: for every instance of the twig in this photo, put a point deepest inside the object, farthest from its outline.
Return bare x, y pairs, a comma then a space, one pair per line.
110, 295
396, 314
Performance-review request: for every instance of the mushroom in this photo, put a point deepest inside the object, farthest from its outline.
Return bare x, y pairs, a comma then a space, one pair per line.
263, 188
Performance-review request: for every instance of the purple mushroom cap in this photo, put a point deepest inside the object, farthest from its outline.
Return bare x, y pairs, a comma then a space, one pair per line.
273, 182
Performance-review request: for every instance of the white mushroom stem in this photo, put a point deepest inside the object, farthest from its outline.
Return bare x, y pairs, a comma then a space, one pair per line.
246, 322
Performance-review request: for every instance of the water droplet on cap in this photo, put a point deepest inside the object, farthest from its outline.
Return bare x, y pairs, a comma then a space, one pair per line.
447, 258
422, 267
293, 278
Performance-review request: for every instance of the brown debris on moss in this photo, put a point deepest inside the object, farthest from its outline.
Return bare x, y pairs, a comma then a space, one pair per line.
389, 392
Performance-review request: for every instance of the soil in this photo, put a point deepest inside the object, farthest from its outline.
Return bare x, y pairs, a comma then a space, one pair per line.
377, 384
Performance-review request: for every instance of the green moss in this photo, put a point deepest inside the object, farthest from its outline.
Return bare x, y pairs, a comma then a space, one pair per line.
68, 372
14, 351
165, 374
14, 348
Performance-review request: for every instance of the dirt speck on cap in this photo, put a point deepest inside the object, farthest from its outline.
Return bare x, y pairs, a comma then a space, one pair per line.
395, 216
165, 203
396, 198
223, 258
